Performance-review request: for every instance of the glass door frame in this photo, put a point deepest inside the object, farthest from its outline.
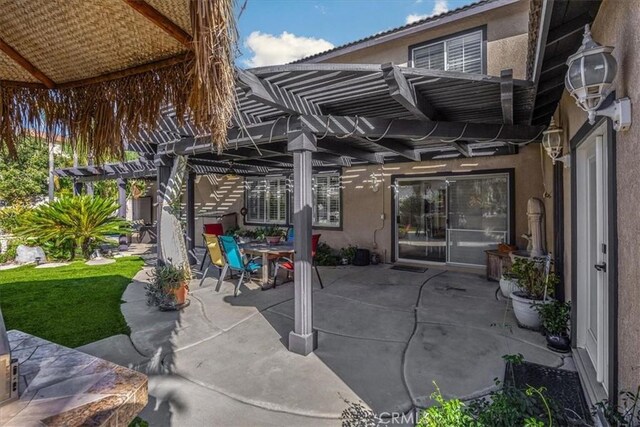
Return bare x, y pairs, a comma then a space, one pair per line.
395, 179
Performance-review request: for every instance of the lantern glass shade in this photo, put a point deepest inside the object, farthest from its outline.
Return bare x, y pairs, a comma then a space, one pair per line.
590, 76
552, 141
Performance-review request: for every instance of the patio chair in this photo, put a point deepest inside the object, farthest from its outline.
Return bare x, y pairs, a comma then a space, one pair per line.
288, 264
215, 257
237, 261
290, 234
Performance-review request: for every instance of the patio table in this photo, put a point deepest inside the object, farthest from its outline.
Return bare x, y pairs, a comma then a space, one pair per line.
267, 251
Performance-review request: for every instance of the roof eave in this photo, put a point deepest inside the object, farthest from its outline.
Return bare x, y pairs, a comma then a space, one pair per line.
406, 31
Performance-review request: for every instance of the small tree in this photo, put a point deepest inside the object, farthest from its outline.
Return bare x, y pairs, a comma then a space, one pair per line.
74, 222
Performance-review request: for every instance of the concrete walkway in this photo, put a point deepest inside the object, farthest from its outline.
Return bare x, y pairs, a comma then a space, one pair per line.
384, 337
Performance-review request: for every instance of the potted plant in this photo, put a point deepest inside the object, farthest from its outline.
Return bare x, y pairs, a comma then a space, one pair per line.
168, 287
508, 284
273, 234
555, 322
347, 254
535, 289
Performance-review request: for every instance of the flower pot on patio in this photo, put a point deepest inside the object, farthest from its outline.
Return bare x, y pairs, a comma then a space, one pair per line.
525, 310
168, 288
559, 343
555, 321
508, 285
273, 240
180, 293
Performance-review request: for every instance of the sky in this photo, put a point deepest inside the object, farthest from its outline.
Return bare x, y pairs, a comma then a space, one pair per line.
280, 31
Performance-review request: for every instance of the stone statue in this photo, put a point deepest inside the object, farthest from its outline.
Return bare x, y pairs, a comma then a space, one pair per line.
535, 214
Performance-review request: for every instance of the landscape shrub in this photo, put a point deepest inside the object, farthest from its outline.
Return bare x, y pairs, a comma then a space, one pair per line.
72, 223
326, 256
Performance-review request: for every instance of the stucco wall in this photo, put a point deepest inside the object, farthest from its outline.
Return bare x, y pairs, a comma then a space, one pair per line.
363, 209
616, 25
506, 41
362, 222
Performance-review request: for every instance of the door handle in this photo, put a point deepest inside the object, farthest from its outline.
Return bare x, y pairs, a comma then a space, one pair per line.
601, 267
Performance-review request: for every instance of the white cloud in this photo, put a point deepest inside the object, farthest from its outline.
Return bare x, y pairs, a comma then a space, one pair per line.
440, 6
269, 49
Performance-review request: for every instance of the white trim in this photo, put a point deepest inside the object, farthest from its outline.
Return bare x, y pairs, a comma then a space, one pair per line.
593, 346
445, 42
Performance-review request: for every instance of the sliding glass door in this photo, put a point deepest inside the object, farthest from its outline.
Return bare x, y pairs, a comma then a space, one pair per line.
422, 220
451, 219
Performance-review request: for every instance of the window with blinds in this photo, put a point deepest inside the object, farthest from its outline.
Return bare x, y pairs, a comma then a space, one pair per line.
266, 200
461, 53
326, 200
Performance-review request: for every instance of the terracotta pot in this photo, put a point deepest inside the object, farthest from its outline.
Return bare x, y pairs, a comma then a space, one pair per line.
273, 240
180, 293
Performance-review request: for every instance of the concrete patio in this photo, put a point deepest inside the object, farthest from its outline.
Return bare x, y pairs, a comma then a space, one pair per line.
384, 337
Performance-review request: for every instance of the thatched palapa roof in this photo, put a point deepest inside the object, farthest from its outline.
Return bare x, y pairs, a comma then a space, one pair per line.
96, 71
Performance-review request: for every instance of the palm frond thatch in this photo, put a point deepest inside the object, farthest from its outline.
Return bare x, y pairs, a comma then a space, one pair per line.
98, 116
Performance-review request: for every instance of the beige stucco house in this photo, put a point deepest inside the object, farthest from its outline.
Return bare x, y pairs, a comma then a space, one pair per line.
388, 179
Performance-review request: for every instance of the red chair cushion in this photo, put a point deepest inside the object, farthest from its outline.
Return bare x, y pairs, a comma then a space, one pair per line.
213, 229
287, 265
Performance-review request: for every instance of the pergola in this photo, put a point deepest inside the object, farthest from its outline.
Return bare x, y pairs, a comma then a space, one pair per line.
301, 117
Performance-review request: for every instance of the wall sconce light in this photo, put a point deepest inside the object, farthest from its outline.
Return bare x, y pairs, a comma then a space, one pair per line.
589, 78
552, 143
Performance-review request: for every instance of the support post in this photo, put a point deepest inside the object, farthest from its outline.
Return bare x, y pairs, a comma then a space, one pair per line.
163, 172
122, 198
171, 245
51, 169
303, 339
77, 187
88, 186
191, 218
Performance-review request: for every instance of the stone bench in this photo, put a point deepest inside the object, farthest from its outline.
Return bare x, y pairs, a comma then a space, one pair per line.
60, 386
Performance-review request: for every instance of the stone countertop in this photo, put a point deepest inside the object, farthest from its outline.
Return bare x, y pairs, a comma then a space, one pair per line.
60, 386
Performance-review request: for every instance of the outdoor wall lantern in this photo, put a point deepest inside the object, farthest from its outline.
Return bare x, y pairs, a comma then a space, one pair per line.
552, 143
589, 78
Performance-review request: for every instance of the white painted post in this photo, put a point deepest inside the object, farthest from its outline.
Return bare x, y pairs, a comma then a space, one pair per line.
122, 197
51, 169
303, 339
171, 244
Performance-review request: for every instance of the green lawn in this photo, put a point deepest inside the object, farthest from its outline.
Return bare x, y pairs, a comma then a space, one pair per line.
72, 305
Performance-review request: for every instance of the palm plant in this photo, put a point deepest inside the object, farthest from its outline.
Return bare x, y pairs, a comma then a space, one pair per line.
74, 222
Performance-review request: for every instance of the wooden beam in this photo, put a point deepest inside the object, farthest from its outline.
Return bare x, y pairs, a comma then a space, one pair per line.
24, 63
374, 127
167, 25
397, 147
552, 64
156, 65
506, 96
406, 129
344, 148
462, 148
404, 94
547, 85
332, 158
267, 93
576, 25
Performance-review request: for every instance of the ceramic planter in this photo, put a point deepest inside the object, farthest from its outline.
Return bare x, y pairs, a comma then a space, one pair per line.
525, 310
508, 285
273, 240
560, 343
